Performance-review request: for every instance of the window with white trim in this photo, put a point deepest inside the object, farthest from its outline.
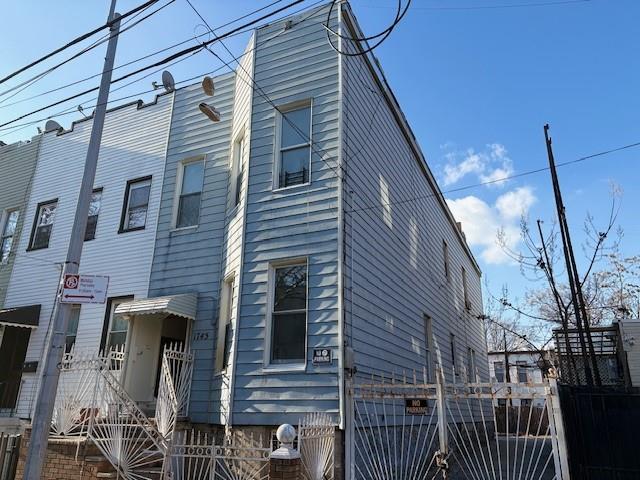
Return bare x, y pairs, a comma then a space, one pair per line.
8, 231
294, 155
118, 326
136, 205
191, 182
498, 371
72, 328
94, 211
523, 374
237, 170
465, 290
445, 255
289, 313
43, 225
225, 324
454, 353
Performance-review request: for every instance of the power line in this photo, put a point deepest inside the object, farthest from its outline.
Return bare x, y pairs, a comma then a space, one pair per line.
492, 7
77, 40
164, 61
26, 84
503, 179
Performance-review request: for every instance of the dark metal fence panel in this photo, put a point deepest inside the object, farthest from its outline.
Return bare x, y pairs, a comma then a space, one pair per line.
602, 430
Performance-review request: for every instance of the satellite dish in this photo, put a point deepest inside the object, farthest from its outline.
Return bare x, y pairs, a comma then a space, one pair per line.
209, 111
51, 125
168, 82
207, 86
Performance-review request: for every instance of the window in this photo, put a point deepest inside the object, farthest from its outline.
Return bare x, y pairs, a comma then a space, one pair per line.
471, 364
8, 231
289, 314
114, 333
523, 376
43, 224
94, 211
72, 328
236, 170
454, 353
465, 291
445, 255
428, 332
498, 371
192, 176
295, 146
136, 204
225, 325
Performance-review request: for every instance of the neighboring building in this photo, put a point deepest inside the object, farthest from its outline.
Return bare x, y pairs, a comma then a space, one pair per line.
17, 164
298, 245
630, 336
525, 367
119, 239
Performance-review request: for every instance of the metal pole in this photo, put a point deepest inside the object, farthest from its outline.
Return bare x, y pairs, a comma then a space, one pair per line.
37, 451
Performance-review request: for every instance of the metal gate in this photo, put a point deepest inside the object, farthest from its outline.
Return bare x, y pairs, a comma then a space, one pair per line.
9, 450
402, 429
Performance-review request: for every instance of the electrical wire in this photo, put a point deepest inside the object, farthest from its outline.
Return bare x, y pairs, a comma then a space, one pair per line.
76, 40
164, 61
492, 7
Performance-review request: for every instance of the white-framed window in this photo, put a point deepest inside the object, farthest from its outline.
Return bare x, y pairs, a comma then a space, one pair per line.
454, 353
429, 347
94, 211
445, 256
522, 369
43, 224
9, 225
225, 323
498, 371
190, 181
72, 328
117, 326
237, 170
294, 139
288, 313
136, 204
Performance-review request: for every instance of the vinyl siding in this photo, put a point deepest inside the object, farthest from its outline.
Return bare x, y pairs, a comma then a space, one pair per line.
133, 145
394, 228
17, 164
290, 65
189, 260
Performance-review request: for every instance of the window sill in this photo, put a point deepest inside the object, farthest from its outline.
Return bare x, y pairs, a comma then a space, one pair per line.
31, 249
284, 368
184, 229
127, 230
290, 187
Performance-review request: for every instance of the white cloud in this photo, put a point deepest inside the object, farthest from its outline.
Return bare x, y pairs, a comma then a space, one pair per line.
482, 222
491, 165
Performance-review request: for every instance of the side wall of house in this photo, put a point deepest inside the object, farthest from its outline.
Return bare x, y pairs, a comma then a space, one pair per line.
17, 164
395, 224
133, 145
188, 260
293, 63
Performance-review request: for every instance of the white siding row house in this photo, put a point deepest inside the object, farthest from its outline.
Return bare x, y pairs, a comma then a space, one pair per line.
305, 220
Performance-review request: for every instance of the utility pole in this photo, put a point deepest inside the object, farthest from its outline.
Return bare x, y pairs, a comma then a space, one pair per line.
582, 322
37, 452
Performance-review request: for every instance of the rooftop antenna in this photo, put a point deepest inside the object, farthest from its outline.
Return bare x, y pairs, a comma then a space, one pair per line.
208, 86
155, 85
81, 110
52, 125
168, 82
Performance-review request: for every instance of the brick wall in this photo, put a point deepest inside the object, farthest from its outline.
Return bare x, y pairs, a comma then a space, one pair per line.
67, 459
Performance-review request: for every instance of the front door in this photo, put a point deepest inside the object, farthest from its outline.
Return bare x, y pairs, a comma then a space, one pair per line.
13, 350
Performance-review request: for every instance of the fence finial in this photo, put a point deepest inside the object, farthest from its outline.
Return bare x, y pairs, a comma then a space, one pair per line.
286, 434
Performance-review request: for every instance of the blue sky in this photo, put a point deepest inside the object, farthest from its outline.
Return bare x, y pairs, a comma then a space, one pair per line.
477, 85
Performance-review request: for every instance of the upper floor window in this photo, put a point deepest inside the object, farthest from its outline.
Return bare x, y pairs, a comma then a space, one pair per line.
42, 225
191, 180
236, 170
523, 375
136, 204
294, 162
498, 371
94, 211
445, 255
8, 231
465, 290
454, 353
289, 314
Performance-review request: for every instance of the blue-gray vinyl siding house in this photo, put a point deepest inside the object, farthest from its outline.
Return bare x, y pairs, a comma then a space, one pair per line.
318, 228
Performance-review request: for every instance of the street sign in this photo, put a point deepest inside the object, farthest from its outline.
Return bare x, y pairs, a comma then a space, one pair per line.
84, 289
416, 406
321, 356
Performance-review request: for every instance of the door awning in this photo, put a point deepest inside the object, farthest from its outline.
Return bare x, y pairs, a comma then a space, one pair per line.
184, 305
26, 317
